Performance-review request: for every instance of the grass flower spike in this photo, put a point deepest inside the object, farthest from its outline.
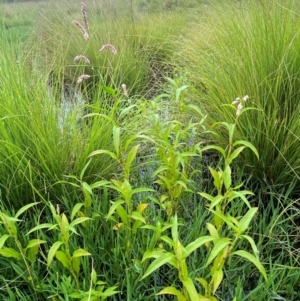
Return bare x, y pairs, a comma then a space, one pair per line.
83, 31
84, 15
82, 77
81, 57
109, 46
125, 92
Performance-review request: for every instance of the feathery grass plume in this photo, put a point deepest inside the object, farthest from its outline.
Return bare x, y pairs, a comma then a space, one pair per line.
84, 15
125, 92
85, 34
81, 57
110, 46
82, 77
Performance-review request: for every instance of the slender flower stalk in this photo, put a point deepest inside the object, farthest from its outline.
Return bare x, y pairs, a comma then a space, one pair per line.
81, 57
83, 31
82, 77
109, 46
84, 15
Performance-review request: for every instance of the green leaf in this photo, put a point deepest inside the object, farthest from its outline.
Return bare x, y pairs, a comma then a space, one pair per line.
240, 194
53, 251
84, 169
247, 144
75, 209
3, 238
86, 187
253, 245
217, 279
246, 219
191, 247
122, 214
103, 151
62, 257
218, 247
206, 196
234, 154
217, 179
230, 127
112, 209
141, 189
42, 226
217, 148
212, 230
254, 260
80, 252
76, 265
157, 263
216, 201
174, 229
137, 216
190, 288
23, 209
79, 220
34, 242
173, 291
131, 156
227, 177
99, 184
94, 276
116, 139
9, 252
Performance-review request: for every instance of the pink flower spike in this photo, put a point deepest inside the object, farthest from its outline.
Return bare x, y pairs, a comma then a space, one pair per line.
109, 46
82, 77
245, 98
239, 109
81, 57
84, 15
85, 34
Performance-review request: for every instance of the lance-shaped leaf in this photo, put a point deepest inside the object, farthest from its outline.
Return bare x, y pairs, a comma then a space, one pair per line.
218, 247
246, 219
191, 247
10, 252
53, 251
173, 291
252, 259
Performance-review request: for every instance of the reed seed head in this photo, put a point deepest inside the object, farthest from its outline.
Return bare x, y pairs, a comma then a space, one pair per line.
81, 57
84, 15
82, 77
83, 31
109, 46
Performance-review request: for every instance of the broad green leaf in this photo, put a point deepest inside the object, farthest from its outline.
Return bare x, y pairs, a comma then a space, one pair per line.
217, 148
217, 279
10, 252
141, 207
32, 252
158, 262
191, 247
207, 196
131, 156
246, 219
76, 265
79, 220
226, 175
80, 252
62, 257
53, 251
216, 175
226, 219
247, 144
75, 209
190, 288
34, 242
174, 229
65, 228
110, 292
216, 201
212, 230
42, 226
116, 139
230, 127
254, 260
26, 207
234, 154
123, 214
99, 184
94, 276
253, 245
3, 238
141, 189
218, 247
84, 169
112, 209
173, 291
168, 240
137, 216
240, 194
86, 187
153, 254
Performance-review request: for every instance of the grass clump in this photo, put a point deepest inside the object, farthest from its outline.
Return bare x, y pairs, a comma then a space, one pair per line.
252, 49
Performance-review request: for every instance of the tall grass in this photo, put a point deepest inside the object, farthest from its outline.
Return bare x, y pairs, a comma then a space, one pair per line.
246, 48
